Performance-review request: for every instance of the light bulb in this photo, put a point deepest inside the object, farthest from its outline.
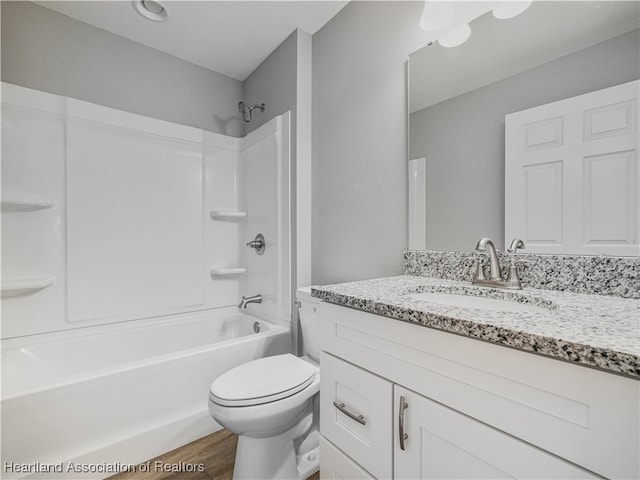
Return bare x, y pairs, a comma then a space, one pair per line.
510, 9
436, 15
455, 37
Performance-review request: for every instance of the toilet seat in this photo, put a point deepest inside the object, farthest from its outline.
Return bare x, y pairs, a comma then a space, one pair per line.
262, 381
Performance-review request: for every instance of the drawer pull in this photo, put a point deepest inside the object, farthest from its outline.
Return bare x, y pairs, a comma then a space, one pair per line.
358, 418
403, 436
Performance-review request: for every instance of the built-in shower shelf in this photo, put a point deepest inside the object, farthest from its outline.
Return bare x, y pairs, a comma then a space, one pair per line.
224, 272
25, 286
12, 203
227, 215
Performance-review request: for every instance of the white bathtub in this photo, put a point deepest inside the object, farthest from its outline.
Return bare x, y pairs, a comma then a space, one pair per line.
102, 398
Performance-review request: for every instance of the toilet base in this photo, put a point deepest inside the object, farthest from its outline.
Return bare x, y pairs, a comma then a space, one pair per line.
293, 454
309, 463
273, 458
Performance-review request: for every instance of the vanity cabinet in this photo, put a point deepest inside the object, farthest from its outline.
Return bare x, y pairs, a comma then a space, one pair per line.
474, 409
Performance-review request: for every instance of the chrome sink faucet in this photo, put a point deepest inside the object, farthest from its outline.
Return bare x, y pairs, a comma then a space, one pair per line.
486, 244
495, 275
246, 300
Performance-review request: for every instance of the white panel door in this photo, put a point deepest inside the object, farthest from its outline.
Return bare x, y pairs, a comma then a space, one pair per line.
134, 223
572, 175
417, 203
442, 443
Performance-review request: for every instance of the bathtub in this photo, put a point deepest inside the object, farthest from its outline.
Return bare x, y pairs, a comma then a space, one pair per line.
90, 402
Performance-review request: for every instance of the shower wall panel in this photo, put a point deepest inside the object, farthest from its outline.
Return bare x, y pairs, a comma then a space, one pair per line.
33, 204
110, 216
134, 223
223, 242
264, 193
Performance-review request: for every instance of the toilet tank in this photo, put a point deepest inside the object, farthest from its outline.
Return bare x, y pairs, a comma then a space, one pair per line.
309, 322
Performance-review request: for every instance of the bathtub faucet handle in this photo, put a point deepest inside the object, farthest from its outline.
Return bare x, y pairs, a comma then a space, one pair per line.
258, 244
246, 300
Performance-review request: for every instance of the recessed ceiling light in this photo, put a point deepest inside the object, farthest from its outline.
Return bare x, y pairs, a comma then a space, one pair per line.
151, 10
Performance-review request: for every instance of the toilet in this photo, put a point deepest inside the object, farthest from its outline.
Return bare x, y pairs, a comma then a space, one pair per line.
272, 405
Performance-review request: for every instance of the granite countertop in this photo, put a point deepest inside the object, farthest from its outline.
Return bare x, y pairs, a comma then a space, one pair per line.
592, 330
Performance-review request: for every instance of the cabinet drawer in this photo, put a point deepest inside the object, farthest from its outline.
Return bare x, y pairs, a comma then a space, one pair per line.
335, 464
355, 414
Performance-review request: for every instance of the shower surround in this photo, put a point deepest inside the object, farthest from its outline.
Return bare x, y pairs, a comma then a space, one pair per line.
114, 222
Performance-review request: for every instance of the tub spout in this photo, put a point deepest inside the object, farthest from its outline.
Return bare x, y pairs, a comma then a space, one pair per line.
246, 300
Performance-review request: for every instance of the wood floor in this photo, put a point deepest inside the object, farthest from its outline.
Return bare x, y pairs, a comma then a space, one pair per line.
208, 458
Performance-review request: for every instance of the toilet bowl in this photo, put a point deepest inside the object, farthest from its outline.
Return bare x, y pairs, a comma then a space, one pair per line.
271, 404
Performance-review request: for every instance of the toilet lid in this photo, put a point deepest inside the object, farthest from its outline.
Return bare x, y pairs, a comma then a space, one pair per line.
262, 381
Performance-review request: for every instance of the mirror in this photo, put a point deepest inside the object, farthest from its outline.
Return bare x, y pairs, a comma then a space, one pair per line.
458, 99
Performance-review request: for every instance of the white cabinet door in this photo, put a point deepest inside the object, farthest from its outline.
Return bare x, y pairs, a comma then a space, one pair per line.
442, 443
334, 464
355, 414
572, 174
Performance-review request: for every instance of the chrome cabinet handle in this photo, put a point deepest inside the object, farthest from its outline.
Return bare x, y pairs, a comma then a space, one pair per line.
403, 407
359, 418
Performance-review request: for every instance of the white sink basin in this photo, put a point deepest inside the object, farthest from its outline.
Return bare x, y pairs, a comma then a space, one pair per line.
471, 301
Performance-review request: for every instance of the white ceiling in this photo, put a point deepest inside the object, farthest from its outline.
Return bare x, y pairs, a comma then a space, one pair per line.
230, 37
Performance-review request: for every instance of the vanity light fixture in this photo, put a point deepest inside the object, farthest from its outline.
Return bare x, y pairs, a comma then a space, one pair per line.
151, 10
510, 8
455, 37
440, 17
436, 15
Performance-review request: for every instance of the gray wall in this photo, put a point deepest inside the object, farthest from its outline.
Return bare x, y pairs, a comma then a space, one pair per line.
47, 51
463, 138
273, 82
359, 222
